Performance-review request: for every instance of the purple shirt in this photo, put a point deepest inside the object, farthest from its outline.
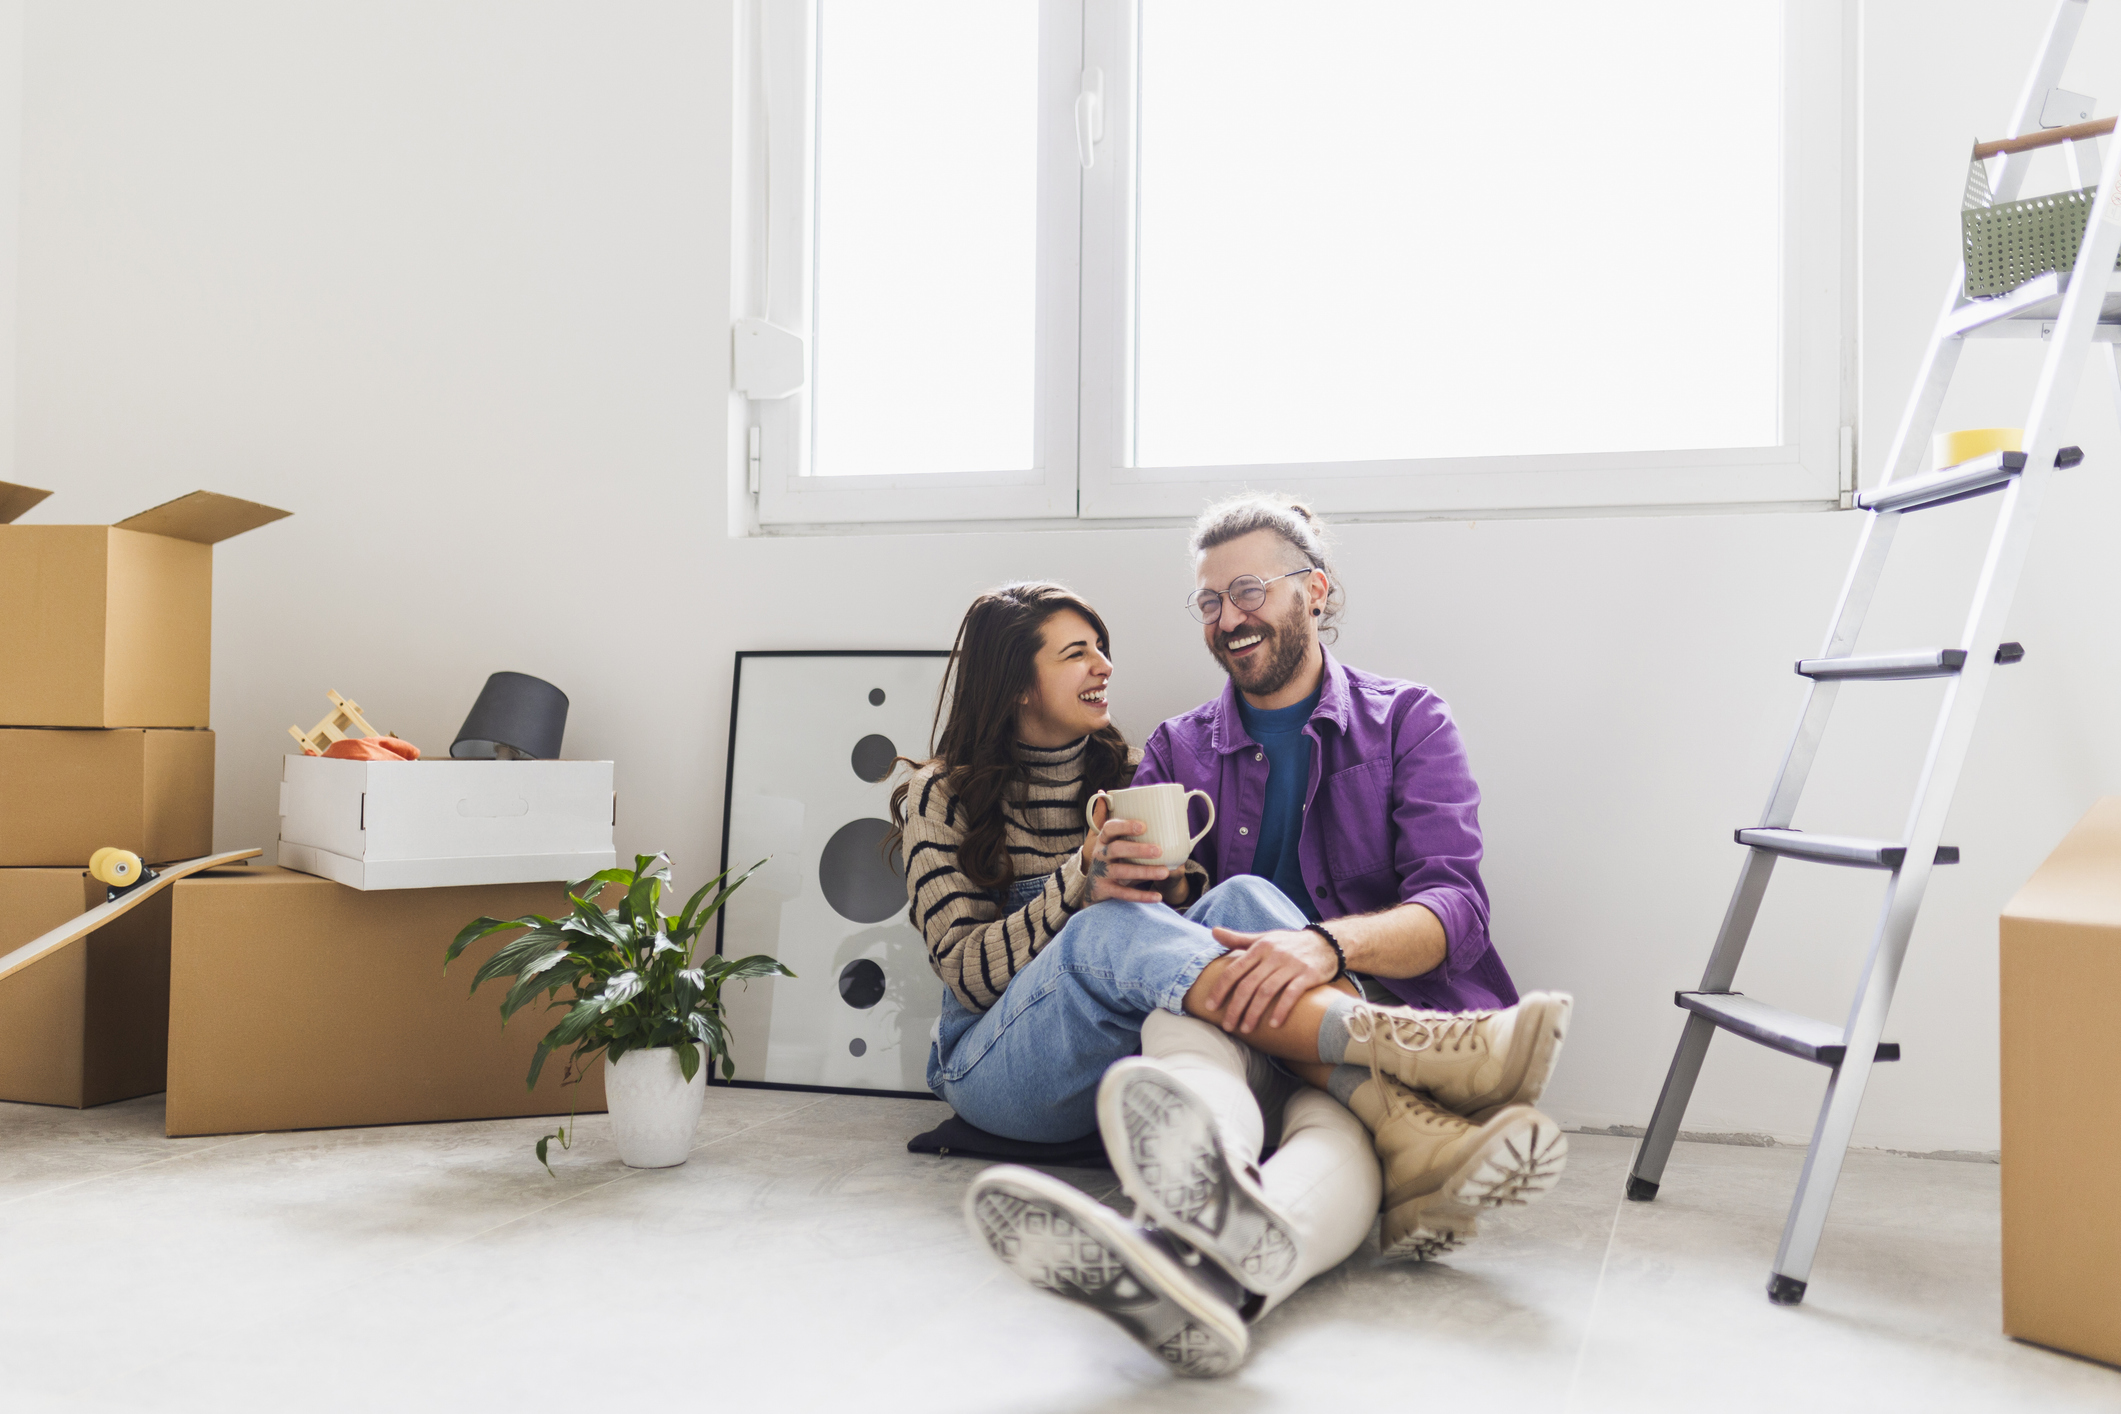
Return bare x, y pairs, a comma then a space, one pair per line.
1391, 815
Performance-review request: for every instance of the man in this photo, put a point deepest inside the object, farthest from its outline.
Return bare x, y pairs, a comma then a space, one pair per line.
1351, 796
1350, 792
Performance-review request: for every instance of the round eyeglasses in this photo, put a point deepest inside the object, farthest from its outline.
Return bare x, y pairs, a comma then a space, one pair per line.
1247, 592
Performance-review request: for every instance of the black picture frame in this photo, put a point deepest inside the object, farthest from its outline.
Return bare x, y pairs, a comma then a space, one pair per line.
736, 703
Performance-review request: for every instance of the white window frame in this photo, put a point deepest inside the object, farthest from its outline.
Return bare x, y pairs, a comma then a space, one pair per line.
786, 31
1086, 226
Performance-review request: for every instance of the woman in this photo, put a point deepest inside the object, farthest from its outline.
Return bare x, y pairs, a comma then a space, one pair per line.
1048, 996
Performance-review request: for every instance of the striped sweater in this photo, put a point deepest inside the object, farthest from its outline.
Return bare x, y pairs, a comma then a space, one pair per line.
975, 944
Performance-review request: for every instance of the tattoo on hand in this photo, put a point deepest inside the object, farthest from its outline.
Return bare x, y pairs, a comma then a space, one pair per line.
1098, 866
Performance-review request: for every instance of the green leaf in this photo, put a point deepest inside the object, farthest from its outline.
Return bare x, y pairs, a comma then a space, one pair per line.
695, 918
545, 977
602, 877
651, 878
511, 956
722, 969
598, 922
728, 1066
689, 1060
566, 1142
582, 1016
620, 990
537, 1060
481, 927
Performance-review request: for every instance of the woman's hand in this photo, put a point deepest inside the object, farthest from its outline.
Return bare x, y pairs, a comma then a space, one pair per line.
1274, 969
1106, 853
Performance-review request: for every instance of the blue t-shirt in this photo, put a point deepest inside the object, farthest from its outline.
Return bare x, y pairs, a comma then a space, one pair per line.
1280, 733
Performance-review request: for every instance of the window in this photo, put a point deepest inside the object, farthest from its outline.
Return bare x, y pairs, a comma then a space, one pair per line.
1093, 259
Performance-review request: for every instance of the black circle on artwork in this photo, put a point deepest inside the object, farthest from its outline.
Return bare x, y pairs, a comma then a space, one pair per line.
857, 1047
861, 984
860, 884
873, 756
876, 697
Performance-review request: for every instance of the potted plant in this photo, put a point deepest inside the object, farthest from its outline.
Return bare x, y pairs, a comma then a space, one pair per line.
639, 996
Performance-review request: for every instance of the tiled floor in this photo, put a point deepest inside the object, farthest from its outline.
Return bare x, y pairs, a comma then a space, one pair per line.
804, 1261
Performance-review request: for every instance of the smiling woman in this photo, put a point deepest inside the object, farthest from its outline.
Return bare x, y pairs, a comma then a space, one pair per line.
1030, 671
1068, 700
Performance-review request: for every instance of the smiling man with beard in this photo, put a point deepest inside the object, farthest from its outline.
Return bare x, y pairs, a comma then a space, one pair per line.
1351, 793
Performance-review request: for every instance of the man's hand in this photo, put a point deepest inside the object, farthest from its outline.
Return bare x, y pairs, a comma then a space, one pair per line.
1269, 970
1105, 855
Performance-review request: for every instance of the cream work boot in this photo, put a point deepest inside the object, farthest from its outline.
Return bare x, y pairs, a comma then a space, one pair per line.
1442, 1170
1466, 1061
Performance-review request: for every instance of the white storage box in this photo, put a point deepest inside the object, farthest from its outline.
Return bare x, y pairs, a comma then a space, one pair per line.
425, 824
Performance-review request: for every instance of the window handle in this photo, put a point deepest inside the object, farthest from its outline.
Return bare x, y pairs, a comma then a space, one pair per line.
1090, 117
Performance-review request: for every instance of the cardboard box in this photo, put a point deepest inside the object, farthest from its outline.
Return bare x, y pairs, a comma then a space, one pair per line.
2061, 967
111, 625
430, 824
297, 1003
64, 794
88, 1024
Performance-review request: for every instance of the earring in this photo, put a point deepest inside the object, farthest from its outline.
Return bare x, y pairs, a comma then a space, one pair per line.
1314, 613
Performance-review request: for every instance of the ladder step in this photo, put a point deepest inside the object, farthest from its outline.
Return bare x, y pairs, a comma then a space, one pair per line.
1836, 849
2038, 298
1785, 1031
2021, 312
1955, 483
1886, 667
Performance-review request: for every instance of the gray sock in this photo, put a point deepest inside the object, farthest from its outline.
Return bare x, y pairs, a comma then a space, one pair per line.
1346, 1080
1333, 1031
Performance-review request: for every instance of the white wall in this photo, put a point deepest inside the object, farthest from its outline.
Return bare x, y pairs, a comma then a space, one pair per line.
451, 281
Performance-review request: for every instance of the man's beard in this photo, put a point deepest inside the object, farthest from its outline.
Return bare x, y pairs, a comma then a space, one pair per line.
1281, 652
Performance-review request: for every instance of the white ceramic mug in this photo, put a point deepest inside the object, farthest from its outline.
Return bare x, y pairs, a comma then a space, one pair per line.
1162, 807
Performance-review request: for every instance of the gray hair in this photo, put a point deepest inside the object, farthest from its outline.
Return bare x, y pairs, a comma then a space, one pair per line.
1288, 518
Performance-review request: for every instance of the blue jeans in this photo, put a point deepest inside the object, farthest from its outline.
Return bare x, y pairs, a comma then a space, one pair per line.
1028, 1067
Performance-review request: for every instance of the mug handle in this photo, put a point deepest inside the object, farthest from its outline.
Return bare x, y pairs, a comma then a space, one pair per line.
1090, 810
1211, 817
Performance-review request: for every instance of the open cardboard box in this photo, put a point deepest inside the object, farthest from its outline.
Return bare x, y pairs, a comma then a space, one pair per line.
428, 824
112, 625
67, 792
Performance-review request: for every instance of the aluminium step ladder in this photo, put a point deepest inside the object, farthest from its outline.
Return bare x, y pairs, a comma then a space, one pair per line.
2067, 310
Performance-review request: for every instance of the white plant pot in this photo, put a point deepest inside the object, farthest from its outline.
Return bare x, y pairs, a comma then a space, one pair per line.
653, 1110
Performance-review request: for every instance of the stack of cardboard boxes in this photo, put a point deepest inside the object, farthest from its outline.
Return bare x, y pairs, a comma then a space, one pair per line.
104, 658
259, 998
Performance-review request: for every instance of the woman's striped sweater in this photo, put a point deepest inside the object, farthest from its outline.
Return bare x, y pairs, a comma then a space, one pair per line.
974, 943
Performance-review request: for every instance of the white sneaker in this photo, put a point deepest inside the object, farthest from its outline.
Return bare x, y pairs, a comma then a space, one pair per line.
1061, 1240
1171, 1161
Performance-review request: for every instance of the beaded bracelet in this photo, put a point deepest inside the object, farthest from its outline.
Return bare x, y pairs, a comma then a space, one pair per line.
1334, 943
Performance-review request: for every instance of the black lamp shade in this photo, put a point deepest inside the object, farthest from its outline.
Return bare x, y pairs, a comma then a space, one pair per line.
516, 711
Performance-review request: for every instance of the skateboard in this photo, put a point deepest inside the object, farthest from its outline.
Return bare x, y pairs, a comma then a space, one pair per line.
129, 882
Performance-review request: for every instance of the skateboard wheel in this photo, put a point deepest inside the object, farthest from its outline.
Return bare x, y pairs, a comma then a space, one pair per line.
116, 867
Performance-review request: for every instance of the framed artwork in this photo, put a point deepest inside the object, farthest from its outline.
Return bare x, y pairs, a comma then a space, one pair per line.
815, 740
